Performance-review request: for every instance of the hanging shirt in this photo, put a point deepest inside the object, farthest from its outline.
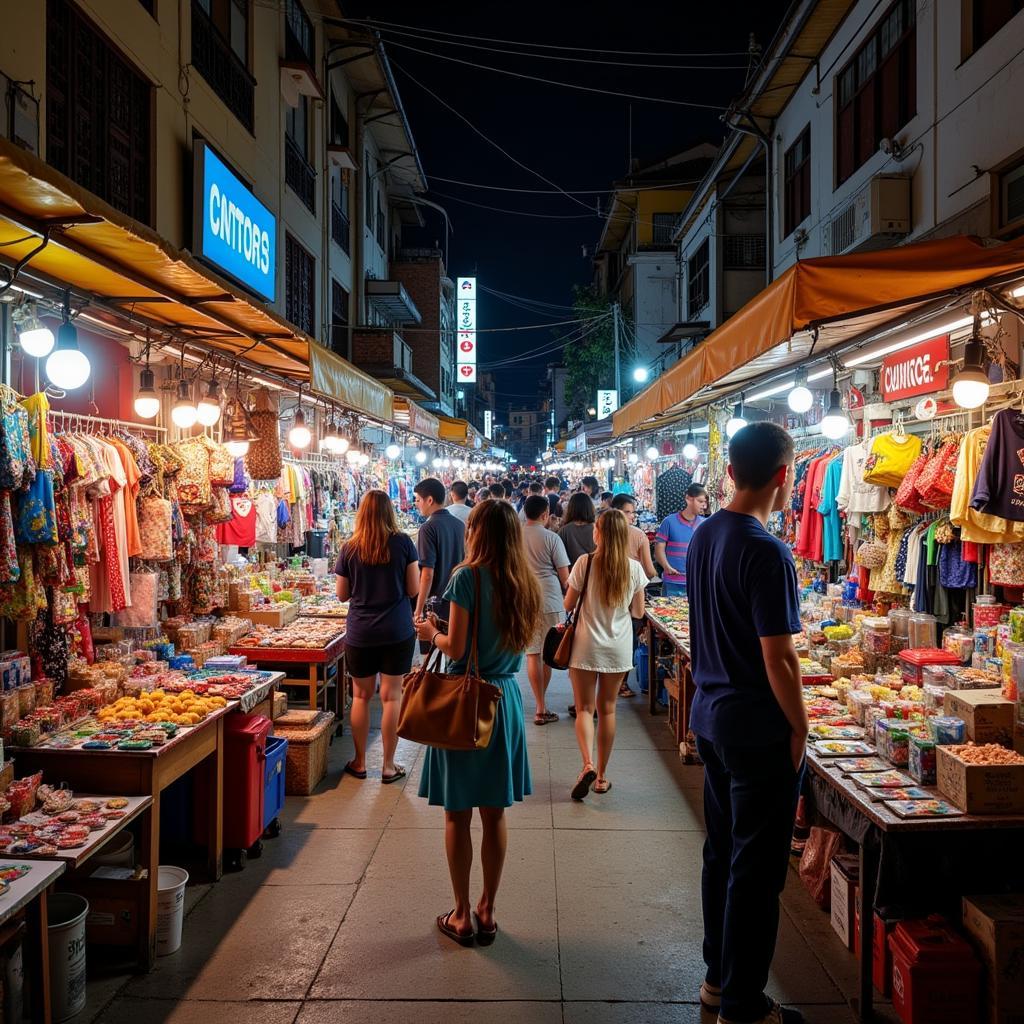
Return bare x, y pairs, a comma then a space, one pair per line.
999, 487
266, 518
976, 525
855, 497
240, 529
670, 491
832, 525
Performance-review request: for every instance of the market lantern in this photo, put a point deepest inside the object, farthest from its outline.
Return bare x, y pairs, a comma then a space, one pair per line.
147, 401
208, 408
67, 366
668, 447
184, 412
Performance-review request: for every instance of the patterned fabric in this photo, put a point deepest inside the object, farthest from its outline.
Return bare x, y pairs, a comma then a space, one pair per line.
155, 528
1006, 565
670, 492
17, 467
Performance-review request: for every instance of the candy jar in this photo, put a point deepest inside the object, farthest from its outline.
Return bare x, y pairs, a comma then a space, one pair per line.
923, 631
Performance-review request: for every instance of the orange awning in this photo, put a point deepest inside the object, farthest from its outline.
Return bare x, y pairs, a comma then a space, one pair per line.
417, 419
814, 306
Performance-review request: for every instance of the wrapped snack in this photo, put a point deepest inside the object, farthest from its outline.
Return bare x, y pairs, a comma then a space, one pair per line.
875, 635
946, 729
1017, 624
44, 692
986, 754
960, 644
9, 711
25, 733
26, 699
985, 640
892, 740
922, 760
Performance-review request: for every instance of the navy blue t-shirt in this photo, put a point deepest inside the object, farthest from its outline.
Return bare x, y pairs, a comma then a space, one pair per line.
741, 584
379, 608
441, 545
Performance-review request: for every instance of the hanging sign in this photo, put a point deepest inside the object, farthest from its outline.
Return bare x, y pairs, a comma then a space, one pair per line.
916, 370
467, 373
488, 423
926, 409
607, 403
465, 327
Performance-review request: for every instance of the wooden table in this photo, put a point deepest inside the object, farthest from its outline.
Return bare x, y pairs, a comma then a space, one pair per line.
28, 893
876, 822
321, 663
679, 685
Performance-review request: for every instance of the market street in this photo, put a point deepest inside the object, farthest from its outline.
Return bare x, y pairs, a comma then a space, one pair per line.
599, 911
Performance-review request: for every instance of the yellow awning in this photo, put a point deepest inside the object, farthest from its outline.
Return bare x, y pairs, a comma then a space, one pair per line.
460, 432
417, 419
335, 378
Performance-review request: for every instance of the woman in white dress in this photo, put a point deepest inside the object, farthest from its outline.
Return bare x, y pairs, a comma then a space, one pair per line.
602, 650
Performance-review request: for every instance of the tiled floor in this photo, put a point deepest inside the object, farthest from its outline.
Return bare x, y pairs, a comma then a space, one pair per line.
599, 910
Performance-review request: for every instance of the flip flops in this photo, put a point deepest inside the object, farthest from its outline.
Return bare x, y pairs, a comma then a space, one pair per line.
546, 719
349, 770
399, 773
602, 787
583, 783
462, 938
484, 936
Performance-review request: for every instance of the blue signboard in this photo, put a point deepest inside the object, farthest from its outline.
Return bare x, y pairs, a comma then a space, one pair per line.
235, 231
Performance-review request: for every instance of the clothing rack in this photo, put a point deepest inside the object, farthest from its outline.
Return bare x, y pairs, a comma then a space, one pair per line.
315, 460
85, 421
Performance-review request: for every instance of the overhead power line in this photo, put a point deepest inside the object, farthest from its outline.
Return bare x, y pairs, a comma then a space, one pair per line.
573, 191
532, 355
501, 330
522, 298
516, 213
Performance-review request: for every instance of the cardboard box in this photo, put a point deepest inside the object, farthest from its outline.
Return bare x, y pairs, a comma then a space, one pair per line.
115, 908
1018, 738
845, 872
995, 926
987, 714
980, 789
280, 704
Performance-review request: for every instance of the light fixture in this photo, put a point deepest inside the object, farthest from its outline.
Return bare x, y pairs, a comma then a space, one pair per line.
35, 338
591, 411
690, 450
208, 407
147, 402
184, 413
800, 398
392, 451
835, 424
364, 459
421, 456
352, 456
633, 458
971, 385
299, 436
737, 421
641, 374
67, 366
239, 432
331, 437
446, 463
436, 462
652, 453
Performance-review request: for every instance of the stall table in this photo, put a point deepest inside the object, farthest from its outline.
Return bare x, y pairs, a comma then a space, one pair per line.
873, 823
28, 893
680, 684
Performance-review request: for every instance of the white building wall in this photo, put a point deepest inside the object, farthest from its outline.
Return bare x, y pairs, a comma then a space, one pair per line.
654, 301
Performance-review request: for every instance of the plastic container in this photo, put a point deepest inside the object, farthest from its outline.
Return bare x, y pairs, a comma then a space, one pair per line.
274, 778
899, 622
935, 974
875, 635
118, 853
923, 630
921, 766
958, 643
1017, 624
912, 663
245, 741
66, 912
170, 908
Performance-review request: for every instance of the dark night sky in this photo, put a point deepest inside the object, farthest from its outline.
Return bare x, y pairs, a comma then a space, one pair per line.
578, 140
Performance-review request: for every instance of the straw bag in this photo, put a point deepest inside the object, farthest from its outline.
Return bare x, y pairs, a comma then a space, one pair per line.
558, 641
872, 555
263, 460
447, 711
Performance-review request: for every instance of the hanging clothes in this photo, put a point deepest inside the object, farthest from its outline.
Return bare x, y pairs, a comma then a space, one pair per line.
975, 524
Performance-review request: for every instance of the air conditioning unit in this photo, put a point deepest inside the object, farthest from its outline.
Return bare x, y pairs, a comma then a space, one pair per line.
876, 217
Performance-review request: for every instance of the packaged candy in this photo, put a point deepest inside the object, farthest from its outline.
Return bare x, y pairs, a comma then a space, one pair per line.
1017, 624
892, 740
945, 729
986, 612
961, 644
922, 760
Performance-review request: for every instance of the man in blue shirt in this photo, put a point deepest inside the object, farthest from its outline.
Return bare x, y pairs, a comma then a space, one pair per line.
673, 540
749, 719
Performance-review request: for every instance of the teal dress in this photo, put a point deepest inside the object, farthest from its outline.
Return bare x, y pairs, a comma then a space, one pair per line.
499, 775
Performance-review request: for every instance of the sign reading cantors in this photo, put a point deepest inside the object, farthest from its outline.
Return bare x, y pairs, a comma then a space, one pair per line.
607, 403
488, 423
916, 370
465, 330
234, 231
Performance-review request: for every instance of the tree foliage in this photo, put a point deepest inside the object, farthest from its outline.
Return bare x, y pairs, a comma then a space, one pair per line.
590, 362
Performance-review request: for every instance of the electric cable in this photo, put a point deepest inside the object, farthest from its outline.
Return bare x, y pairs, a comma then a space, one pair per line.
517, 213
573, 191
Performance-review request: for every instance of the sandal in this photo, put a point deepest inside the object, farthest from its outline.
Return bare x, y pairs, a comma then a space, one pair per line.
546, 719
625, 691
584, 782
602, 786
484, 936
462, 938
398, 773
349, 770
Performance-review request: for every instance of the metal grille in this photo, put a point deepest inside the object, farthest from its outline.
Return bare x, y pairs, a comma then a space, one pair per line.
843, 230
698, 280
214, 59
298, 174
340, 227
661, 230
299, 40
744, 252
299, 286
339, 318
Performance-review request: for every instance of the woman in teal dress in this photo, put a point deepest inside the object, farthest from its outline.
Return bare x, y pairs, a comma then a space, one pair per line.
498, 776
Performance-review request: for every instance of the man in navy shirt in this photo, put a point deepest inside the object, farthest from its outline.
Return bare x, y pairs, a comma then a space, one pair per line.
750, 723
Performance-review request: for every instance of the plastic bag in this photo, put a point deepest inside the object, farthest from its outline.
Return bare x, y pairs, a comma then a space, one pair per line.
816, 864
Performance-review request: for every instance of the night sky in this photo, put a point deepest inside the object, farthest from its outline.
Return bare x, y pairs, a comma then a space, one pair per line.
578, 140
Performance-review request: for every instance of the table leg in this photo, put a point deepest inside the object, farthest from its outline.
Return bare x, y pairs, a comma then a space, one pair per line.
149, 859
652, 669
681, 709
312, 686
868, 879
212, 773
38, 951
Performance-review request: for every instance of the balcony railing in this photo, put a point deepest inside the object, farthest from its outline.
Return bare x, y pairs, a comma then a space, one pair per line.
299, 39
340, 227
214, 59
298, 174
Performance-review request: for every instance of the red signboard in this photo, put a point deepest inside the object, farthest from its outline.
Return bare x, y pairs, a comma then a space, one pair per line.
916, 370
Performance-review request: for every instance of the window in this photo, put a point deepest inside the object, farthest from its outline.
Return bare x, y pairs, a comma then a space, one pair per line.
743, 252
299, 286
982, 19
662, 228
797, 183
338, 125
1008, 197
220, 53
339, 318
340, 227
299, 174
698, 273
381, 222
876, 93
98, 112
369, 165
299, 39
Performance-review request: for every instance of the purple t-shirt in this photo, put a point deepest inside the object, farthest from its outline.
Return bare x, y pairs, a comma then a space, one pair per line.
676, 533
999, 488
379, 609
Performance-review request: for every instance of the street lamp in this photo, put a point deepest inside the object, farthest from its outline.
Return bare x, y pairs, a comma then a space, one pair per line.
641, 374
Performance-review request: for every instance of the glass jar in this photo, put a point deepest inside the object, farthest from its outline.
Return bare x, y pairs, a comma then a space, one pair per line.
923, 630
875, 635
899, 621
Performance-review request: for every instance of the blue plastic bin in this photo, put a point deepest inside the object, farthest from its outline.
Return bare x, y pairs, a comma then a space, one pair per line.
640, 662
273, 778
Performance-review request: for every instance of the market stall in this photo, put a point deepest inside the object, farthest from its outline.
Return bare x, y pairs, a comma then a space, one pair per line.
668, 665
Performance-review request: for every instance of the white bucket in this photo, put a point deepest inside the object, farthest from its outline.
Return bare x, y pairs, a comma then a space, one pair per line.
170, 908
118, 853
66, 913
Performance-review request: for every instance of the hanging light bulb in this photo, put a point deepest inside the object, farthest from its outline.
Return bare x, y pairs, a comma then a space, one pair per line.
835, 424
421, 456
208, 407
446, 463
651, 453
239, 432
392, 451
35, 338
633, 458
800, 398
690, 450
341, 445
299, 436
67, 366
184, 413
737, 421
971, 385
352, 456
436, 462
364, 459
147, 401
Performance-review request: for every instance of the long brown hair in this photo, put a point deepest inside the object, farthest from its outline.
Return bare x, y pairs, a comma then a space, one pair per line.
612, 575
375, 525
494, 538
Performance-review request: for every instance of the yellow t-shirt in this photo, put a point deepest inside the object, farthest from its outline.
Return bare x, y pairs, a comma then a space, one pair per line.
979, 527
891, 457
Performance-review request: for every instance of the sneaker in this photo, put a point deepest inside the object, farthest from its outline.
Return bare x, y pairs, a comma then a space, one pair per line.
777, 1014
710, 1003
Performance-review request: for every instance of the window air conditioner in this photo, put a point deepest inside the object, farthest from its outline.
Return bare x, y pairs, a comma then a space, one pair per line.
877, 217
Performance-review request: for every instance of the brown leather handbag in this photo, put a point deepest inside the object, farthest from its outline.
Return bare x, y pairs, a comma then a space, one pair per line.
558, 640
447, 711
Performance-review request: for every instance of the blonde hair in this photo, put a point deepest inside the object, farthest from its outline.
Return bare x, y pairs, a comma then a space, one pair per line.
494, 538
612, 575
375, 525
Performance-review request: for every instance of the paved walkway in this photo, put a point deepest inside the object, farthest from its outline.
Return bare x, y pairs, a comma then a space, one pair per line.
599, 910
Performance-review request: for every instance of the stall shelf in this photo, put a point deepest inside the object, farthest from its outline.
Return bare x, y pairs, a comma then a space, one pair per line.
663, 643
872, 826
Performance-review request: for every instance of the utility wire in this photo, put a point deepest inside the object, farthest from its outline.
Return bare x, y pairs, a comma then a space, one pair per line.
532, 355
523, 298
517, 213
573, 191
565, 85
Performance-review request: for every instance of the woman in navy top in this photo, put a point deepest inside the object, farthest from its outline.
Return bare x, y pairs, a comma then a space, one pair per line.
378, 573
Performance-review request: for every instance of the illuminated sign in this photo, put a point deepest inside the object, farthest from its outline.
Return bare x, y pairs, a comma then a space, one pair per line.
234, 231
488, 423
918, 370
607, 403
465, 327
466, 288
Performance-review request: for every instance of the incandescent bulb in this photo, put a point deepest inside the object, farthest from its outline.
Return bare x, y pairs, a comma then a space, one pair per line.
238, 449
392, 451
800, 399
652, 452
36, 341
690, 450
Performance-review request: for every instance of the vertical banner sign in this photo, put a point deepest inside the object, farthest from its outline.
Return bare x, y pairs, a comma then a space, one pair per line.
488, 423
916, 370
465, 330
607, 403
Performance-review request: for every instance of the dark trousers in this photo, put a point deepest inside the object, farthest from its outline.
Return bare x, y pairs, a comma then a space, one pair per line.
750, 796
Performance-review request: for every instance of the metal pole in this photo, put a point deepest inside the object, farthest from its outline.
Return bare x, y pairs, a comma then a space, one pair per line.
618, 369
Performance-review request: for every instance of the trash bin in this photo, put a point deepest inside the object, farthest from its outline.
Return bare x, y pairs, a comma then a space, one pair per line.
273, 784
245, 742
316, 541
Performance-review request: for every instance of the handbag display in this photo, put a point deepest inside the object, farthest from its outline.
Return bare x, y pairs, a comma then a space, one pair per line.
447, 711
558, 640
